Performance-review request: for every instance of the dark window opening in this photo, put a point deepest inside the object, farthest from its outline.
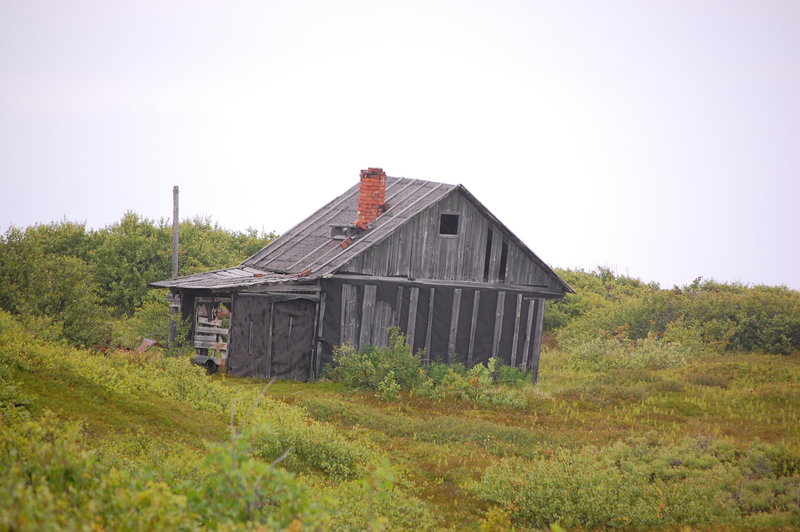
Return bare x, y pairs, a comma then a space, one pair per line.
488, 255
448, 224
503, 261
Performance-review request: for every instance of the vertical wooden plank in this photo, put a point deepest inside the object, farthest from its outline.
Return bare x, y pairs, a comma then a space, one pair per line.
398, 306
349, 317
451, 343
383, 319
430, 327
367, 315
498, 324
537, 339
269, 340
320, 321
494, 260
528, 329
412, 316
515, 342
476, 301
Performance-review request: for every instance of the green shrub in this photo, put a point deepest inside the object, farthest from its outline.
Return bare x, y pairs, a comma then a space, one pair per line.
510, 376
640, 484
388, 389
603, 354
366, 369
380, 501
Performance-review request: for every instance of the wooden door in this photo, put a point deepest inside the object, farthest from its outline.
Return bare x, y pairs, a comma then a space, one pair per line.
291, 350
249, 336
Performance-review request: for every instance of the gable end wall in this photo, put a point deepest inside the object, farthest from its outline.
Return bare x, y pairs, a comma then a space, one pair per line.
417, 251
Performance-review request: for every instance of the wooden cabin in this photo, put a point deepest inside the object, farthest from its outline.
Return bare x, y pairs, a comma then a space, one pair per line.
426, 257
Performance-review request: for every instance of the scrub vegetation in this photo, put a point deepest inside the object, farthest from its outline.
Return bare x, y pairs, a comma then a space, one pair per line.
655, 409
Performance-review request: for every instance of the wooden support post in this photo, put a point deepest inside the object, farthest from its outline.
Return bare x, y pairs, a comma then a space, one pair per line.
537, 340
515, 342
451, 343
528, 329
320, 321
412, 316
498, 324
430, 328
476, 301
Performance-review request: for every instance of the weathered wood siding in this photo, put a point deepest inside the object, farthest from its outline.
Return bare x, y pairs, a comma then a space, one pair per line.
466, 325
417, 250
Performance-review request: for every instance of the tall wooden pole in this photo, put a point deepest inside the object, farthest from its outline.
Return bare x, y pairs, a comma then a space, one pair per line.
175, 232
173, 308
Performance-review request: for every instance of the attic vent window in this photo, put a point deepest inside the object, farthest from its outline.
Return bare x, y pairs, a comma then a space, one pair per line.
448, 224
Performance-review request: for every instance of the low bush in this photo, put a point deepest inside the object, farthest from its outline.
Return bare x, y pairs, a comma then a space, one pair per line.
639, 484
705, 379
603, 354
389, 370
367, 369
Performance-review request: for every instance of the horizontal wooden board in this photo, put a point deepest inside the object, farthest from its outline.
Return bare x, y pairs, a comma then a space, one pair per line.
210, 345
211, 330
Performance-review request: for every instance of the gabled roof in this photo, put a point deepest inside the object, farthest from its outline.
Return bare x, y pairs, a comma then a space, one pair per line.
309, 245
309, 250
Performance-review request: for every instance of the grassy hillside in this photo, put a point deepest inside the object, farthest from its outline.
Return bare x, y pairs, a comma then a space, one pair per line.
656, 409
119, 441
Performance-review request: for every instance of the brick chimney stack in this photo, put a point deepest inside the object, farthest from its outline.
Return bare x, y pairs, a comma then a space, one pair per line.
372, 196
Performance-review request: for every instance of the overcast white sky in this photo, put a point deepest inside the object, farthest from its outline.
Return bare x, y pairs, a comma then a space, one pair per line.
658, 138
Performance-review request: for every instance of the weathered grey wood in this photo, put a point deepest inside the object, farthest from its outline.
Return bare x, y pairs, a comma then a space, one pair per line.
498, 324
269, 339
267, 289
451, 342
174, 309
367, 314
204, 321
538, 291
528, 329
430, 327
203, 344
211, 330
412, 316
212, 300
537, 339
476, 300
175, 226
515, 341
209, 337
383, 318
398, 307
364, 242
494, 261
320, 324
349, 316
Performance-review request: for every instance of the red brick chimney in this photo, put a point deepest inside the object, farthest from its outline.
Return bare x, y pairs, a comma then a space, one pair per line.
372, 196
